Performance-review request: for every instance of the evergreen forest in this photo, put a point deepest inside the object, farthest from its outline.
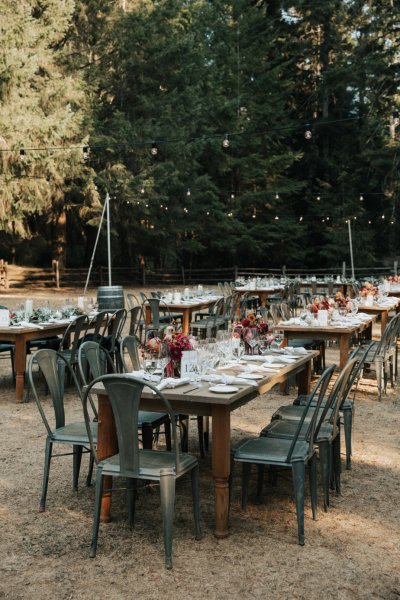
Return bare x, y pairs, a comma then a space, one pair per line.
226, 132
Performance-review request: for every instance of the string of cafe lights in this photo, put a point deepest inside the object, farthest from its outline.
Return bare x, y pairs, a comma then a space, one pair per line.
308, 129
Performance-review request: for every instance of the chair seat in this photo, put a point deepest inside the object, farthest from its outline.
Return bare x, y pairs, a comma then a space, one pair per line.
52, 342
280, 428
153, 419
275, 451
151, 464
293, 412
74, 433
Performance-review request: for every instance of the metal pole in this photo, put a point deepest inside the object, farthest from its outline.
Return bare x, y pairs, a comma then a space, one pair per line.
395, 267
351, 249
108, 238
344, 269
95, 246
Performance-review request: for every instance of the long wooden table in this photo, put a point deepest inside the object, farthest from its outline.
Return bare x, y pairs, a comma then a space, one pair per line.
343, 334
20, 336
262, 293
185, 308
382, 311
201, 401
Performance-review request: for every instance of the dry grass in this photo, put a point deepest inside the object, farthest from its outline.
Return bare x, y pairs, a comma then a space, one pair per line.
351, 552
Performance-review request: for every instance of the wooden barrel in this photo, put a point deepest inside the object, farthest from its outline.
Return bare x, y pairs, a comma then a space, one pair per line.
110, 297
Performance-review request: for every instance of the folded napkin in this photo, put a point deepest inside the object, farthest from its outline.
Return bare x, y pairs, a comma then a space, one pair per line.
143, 375
228, 379
292, 321
292, 350
171, 382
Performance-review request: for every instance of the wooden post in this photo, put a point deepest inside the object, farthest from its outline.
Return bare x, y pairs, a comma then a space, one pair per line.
56, 271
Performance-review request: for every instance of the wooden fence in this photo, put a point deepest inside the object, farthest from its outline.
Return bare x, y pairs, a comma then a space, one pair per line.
12, 276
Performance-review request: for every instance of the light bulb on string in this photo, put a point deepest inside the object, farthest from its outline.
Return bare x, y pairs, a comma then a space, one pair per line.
308, 132
188, 192
232, 196
142, 190
225, 141
383, 216
276, 196
207, 213
361, 198
276, 218
154, 149
301, 218
86, 153
318, 198
22, 154
254, 215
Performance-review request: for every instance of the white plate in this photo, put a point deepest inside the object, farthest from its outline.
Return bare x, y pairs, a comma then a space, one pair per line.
221, 388
250, 376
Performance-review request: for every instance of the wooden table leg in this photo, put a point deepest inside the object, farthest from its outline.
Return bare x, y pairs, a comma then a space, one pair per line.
344, 349
107, 445
185, 320
304, 379
221, 467
283, 387
20, 366
384, 320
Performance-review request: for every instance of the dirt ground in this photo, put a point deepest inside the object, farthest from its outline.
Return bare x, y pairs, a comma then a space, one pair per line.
351, 552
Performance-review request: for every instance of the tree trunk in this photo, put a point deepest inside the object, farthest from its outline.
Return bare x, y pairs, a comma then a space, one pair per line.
59, 231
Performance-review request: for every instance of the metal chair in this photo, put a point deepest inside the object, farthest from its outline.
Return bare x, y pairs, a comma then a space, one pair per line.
124, 393
113, 335
207, 324
52, 364
328, 433
294, 453
149, 422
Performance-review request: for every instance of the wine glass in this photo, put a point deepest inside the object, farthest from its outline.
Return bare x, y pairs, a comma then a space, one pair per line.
237, 348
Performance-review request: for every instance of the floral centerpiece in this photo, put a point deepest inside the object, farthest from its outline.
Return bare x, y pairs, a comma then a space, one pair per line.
251, 321
393, 279
368, 289
176, 343
250, 328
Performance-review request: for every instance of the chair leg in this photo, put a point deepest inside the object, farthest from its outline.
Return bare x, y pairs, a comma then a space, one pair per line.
313, 485
131, 497
183, 426
324, 458
167, 491
90, 471
147, 436
167, 431
200, 430
245, 483
77, 459
348, 432
97, 508
195, 476
207, 433
46, 472
337, 466
298, 470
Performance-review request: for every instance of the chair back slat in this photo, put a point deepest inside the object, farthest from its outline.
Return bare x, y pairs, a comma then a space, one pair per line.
318, 392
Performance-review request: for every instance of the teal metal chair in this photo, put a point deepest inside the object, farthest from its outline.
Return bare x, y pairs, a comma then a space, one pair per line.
327, 435
346, 409
53, 365
293, 453
94, 361
133, 463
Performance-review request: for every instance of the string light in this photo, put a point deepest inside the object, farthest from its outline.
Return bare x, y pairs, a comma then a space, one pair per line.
85, 153
225, 141
308, 132
276, 218
188, 192
361, 198
142, 190
301, 218
276, 196
22, 154
154, 149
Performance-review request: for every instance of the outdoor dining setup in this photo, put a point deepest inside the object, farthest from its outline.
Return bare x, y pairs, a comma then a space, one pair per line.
146, 370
